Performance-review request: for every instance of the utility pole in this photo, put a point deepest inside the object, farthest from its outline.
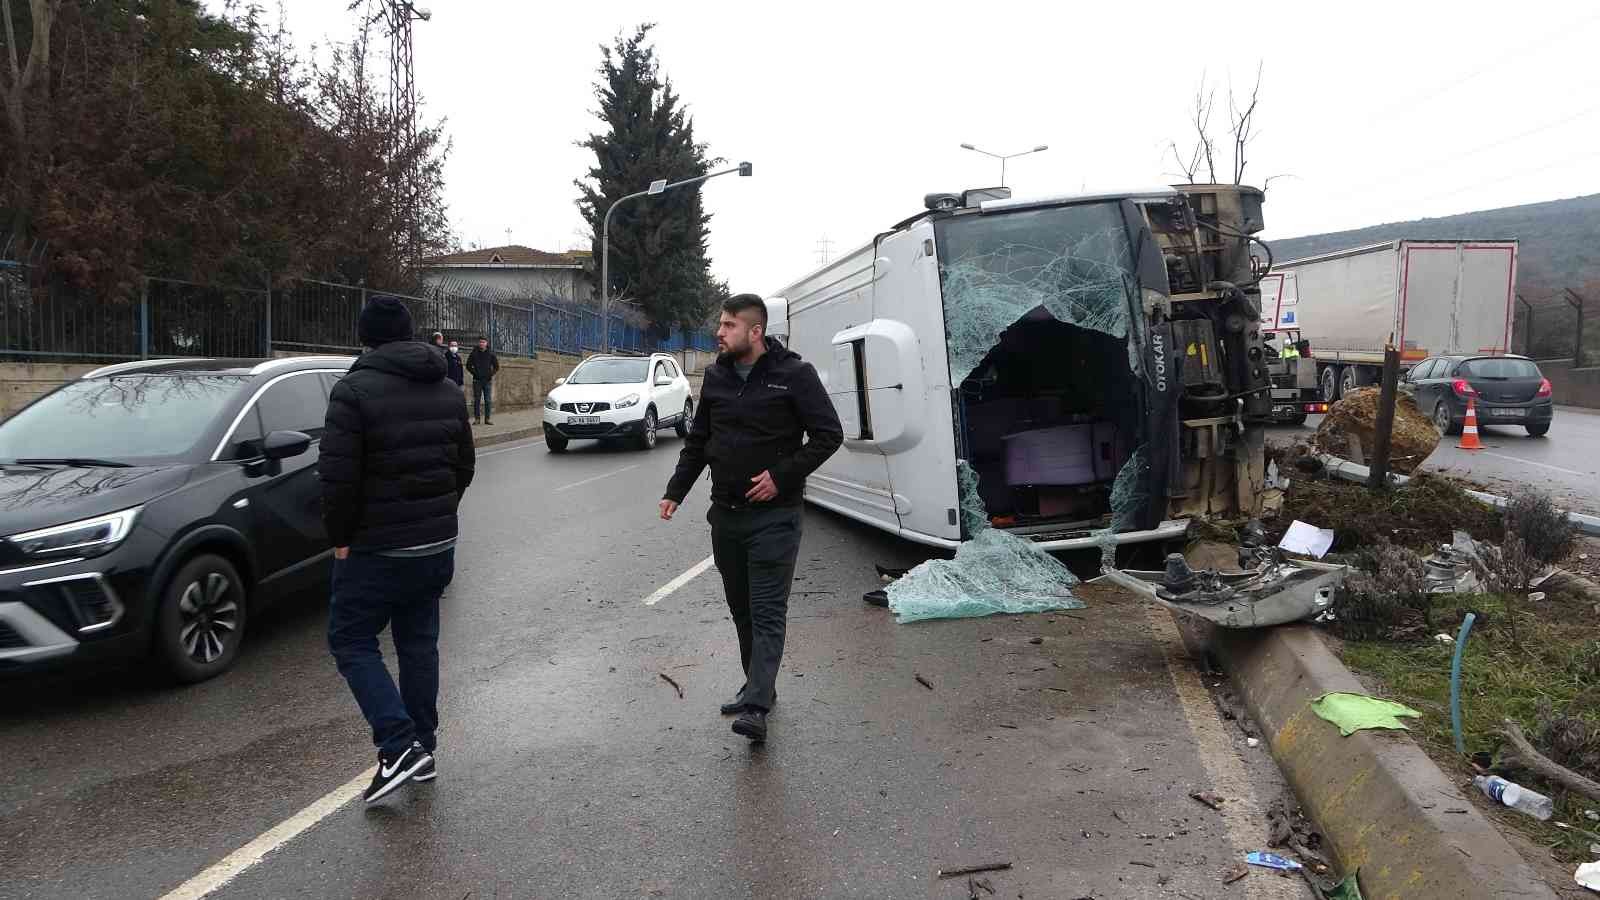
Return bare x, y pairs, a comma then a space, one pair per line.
1378, 475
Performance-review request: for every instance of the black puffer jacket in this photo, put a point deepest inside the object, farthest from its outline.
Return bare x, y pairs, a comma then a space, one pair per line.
743, 427
397, 454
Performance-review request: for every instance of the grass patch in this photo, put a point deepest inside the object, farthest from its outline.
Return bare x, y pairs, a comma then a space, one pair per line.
1420, 514
1540, 674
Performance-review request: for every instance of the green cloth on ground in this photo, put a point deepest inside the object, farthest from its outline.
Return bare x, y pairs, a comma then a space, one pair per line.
1353, 712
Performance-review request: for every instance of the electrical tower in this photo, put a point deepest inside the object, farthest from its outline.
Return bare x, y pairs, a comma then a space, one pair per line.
397, 16
824, 251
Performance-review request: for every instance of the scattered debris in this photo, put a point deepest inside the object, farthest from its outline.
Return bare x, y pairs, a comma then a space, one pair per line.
1348, 889
1140, 862
1210, 799
1350, 429
923, 681
1513, 795
888, 573
1588, 875
1307, 539
876, 598
1271, 861
1235, 874
1275, 592
1252, 743
1421, 514
1444, 639
1527, 758
1454, 569
974, 870
1287, 826
1355, 712
675, 686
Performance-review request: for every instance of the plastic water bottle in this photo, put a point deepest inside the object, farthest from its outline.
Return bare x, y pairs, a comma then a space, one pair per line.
1509, 793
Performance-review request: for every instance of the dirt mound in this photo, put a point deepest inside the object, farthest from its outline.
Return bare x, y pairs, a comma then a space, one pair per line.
1349, 431
1420, 514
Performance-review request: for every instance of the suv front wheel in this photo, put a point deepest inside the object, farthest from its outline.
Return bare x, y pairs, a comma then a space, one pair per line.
201, 620
647, 437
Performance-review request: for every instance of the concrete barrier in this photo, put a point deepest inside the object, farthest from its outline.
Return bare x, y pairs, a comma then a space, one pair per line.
1382, 804
1572, 387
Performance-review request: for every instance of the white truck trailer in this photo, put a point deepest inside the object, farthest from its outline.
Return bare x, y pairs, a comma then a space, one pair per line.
1430, 297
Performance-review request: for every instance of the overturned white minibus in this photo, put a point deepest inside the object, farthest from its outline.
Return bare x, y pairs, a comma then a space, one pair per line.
1095, 359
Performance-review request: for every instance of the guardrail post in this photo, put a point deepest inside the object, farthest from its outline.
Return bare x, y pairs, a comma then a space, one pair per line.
268, 353
144, 318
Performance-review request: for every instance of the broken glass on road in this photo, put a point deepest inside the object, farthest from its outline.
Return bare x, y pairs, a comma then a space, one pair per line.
994, 572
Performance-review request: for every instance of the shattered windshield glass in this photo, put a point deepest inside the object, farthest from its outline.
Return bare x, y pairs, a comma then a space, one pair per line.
994, 572
1075, 261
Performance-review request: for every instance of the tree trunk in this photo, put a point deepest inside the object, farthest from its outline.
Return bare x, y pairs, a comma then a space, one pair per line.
1526, 757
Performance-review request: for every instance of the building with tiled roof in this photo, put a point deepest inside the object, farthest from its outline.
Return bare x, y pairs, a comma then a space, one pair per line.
516, 271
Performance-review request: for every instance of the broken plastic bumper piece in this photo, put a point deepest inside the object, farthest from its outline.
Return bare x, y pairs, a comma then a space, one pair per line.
1275, 592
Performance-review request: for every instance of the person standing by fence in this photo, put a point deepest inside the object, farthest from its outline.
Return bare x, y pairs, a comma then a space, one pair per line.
483, 365
454, 370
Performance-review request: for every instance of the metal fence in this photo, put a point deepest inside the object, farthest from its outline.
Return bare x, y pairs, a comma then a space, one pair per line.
1558, 326
47, 317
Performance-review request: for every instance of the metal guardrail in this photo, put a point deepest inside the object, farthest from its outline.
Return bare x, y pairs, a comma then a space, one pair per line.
48, 318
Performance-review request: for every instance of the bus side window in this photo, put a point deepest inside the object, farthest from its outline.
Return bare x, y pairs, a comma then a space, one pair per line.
848, 389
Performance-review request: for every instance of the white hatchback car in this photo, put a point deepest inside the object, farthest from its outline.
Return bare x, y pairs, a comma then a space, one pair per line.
611, 397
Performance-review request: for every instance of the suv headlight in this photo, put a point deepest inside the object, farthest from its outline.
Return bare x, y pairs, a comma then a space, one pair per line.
630, 400
89, 537
550, 403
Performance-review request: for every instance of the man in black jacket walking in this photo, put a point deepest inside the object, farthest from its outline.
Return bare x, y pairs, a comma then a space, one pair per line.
755, 404
483, 365
396, 458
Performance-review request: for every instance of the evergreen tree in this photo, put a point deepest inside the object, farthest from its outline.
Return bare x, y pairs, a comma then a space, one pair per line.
658, 244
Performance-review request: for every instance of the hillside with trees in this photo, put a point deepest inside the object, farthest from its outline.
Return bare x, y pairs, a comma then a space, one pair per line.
1560, 240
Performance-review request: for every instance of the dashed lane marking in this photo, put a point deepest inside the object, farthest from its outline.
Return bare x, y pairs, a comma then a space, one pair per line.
666, 590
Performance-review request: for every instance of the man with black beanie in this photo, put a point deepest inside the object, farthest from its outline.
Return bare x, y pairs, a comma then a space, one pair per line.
396, 457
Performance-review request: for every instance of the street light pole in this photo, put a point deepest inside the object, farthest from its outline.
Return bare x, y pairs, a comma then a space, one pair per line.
656, 187
1004, 157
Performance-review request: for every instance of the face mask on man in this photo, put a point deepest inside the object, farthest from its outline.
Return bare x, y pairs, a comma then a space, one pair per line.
455, 349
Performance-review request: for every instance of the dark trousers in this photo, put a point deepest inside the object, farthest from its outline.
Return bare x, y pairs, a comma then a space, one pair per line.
755, 549
482, 405
371, 592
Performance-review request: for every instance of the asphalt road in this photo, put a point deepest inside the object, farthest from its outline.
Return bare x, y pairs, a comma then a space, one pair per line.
1066, 745
1565, 463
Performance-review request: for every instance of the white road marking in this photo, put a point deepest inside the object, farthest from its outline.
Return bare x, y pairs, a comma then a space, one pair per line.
595, 478
520, 446
1242, 815
234, 864
666, 589
1529, 462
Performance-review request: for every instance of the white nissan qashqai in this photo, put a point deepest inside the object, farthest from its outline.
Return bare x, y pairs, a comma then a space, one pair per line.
614, 397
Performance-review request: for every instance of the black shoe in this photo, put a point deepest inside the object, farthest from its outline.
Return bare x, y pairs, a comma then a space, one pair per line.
735, 706
752, 723
395, 771
427, 773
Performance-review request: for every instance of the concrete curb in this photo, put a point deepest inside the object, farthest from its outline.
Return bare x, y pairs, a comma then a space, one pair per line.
506, 437
1383, 805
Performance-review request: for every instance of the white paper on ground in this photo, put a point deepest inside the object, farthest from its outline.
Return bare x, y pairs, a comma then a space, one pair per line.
1307, 539
1589, 876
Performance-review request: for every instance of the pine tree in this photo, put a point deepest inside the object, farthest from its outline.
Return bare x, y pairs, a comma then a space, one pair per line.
658, 244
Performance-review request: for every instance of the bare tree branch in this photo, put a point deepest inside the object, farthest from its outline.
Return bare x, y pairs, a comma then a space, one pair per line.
1204, 149
1242, 121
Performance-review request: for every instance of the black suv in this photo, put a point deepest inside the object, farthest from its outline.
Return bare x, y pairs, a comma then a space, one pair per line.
153, 507
1507, 390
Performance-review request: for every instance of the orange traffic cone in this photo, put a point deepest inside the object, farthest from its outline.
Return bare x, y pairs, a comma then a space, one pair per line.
1469, 428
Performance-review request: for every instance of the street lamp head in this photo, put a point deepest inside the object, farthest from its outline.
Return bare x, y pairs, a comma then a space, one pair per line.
1040, 147
657, 186
968, 147
746, 170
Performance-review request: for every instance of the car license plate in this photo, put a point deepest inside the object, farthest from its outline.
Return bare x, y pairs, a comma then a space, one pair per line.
583, 420
1507, 412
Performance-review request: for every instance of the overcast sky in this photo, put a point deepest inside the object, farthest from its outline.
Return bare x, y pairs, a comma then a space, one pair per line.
1373, 112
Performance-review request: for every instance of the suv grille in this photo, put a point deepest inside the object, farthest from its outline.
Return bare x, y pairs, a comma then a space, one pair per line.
593, 408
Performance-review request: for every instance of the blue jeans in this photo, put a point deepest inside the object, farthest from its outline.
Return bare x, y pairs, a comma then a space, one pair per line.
482, 406
370, 593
